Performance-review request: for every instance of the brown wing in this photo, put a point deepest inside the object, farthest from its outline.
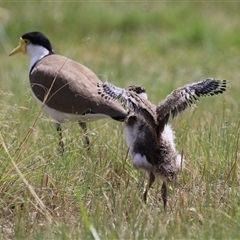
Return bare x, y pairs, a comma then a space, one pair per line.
181, 98
131, 98
73, 87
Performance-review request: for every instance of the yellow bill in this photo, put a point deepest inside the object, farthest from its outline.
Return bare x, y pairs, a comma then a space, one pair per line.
20, 48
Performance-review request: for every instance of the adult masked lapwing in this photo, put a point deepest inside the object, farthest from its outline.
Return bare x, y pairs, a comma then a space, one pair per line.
67, 89
149, 136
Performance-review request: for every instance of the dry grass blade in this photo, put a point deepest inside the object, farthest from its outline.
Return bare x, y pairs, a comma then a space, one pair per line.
42, 206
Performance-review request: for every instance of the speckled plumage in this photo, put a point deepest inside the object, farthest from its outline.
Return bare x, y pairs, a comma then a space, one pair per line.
149, 136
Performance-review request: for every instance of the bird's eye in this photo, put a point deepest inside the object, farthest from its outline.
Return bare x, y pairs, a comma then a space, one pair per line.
26, 41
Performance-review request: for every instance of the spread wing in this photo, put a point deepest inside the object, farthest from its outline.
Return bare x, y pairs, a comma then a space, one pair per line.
173, 104
187, 96
134, 98
111, 92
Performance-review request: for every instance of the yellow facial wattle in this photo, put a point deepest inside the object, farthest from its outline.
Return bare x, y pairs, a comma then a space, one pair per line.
20, 48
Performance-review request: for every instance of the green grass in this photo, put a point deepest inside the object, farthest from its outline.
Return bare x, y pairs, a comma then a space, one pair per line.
88, 195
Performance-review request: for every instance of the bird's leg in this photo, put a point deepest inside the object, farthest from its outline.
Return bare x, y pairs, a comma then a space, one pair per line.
151, 181
83, 125
164, 194
61, 143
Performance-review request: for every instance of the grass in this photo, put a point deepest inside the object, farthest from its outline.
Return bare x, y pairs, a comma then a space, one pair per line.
98, 195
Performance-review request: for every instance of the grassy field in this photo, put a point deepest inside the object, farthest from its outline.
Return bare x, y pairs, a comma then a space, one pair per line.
97, 195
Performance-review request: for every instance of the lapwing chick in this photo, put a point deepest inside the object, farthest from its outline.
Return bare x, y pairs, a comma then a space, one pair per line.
66, 89
149, 136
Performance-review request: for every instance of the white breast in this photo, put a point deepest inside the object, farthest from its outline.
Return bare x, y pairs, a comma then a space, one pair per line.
140, 161
168, 135
62, 117
36, 52
131, 133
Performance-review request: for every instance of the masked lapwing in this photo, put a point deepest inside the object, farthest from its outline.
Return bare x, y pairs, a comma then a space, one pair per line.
149, 136
67, 89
